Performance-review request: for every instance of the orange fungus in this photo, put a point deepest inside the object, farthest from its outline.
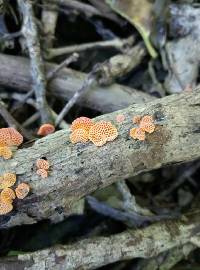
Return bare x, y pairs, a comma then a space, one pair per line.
102, 132
46, 129
82, 123
22, 190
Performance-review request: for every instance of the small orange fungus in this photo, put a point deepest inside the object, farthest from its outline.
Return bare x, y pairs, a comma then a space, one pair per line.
46, 129
5, 152
102, 132
147, 124
120, 118
7, 195
10, 137
42, 164
137, 133
82, 123
8, 180
5, 207
22, 190
42, 172
79, 135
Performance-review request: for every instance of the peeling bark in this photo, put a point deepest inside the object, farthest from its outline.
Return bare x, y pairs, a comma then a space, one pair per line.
77, 170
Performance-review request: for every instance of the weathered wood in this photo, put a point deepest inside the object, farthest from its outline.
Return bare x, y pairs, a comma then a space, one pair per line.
96, 252
77, 170
15, 73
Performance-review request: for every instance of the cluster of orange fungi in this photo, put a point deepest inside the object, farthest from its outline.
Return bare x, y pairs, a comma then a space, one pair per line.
8, 194
145, 124
42, 167
9, 139
83, 129
46, 129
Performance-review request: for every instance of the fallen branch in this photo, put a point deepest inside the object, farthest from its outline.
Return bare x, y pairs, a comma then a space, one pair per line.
78, 170
15, 74
100, 251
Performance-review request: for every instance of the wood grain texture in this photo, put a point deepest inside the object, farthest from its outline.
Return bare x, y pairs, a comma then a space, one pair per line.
15, 73
99, 251
78, 170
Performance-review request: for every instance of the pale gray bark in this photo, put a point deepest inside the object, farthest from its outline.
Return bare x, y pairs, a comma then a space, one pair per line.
15, 74
77, 170
99, 251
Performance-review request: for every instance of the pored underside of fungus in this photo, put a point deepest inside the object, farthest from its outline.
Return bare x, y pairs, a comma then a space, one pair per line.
147, 124
10, 137
7, 195
22, 190
42, 172
82, 123
5, 152
42, 164
46, 129
102, 132
79, 135
137, 133
7, 180
5, 208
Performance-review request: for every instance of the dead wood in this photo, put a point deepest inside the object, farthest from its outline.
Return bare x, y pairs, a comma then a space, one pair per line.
78, 170
99, 251
15, 74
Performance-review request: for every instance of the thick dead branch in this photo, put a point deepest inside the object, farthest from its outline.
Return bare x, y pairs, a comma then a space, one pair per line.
96, 252
15, 74
30, 33
78, 170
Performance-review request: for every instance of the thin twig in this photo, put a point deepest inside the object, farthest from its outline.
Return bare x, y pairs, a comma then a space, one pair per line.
90, 79
117, 43
129, 200
52, 73
129, 218
30, 33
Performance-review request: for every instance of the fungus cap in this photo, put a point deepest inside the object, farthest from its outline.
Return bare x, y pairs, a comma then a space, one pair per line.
46, 129
10, 136
8, 180
82, 123
22, 190
148, 127
79, 135
147, 124
137, 133
43, 173
7, 195
42, 164
5, 208
102, 132
147, 119
120, 118
5, 152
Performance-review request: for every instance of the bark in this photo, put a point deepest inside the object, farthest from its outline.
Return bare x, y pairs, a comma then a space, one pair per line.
77, 170
15, 74
100, 251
